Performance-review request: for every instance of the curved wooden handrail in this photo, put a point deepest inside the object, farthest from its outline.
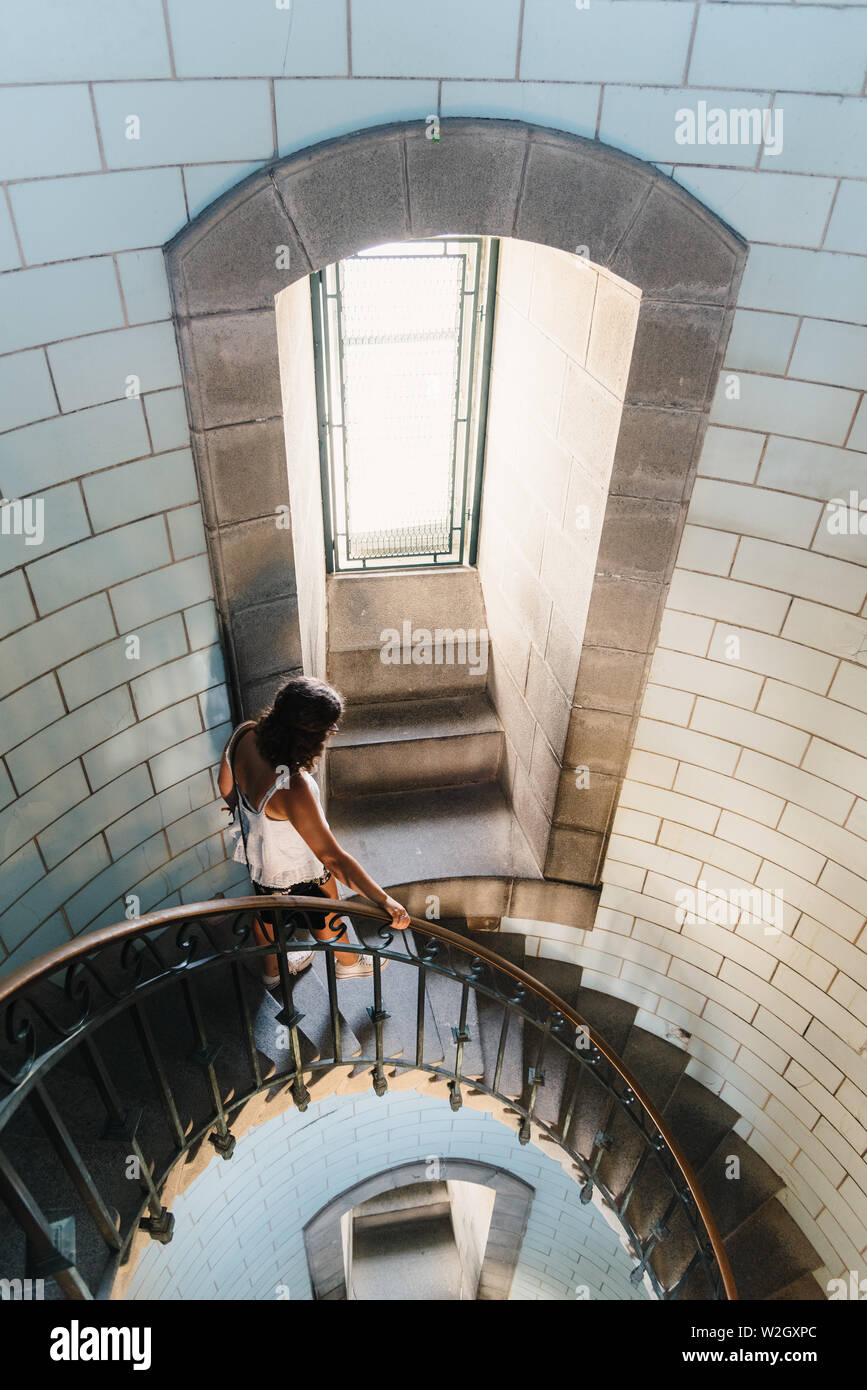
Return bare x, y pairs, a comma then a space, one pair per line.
52, 961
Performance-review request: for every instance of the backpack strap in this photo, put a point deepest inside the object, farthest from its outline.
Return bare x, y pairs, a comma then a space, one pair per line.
238, 808
233, 742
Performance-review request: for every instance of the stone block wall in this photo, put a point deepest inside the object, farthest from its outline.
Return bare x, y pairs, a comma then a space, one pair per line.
563, 339
301, 459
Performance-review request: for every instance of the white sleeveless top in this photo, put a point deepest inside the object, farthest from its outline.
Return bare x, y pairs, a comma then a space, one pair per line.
277, 855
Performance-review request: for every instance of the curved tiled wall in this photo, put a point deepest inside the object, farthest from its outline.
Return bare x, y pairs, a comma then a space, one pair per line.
288, 1168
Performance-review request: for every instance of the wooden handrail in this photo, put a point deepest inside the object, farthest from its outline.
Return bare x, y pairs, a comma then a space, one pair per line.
62, 956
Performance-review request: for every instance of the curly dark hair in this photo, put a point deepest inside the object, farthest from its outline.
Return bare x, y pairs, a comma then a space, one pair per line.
293, 732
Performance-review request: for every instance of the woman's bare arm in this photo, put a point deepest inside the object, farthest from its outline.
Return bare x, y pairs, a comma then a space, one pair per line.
305, 813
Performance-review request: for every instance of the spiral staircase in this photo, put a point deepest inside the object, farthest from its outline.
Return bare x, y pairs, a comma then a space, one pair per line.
140, 1046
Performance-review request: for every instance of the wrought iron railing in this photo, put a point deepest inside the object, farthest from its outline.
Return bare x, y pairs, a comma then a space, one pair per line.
55, 1005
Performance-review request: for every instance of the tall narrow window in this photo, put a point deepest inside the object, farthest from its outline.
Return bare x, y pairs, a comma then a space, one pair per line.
402, 337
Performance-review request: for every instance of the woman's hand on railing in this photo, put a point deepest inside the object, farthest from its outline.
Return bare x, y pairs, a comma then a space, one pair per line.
399, 915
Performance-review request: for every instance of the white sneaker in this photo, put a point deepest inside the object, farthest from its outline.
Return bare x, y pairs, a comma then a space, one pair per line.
296, 961
362, 965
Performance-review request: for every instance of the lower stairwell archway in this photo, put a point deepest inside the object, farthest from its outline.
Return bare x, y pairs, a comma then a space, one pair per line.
511, 1210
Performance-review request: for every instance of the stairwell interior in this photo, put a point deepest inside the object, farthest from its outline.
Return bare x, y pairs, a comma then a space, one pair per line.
460, 772
455, 785
460, 787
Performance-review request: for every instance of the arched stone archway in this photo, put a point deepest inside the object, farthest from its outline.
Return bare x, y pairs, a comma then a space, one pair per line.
484, 177
514, 1197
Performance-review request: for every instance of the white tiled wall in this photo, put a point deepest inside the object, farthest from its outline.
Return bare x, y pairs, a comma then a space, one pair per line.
285, 1170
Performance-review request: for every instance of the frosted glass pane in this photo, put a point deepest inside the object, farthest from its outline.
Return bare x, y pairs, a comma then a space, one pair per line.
400, 337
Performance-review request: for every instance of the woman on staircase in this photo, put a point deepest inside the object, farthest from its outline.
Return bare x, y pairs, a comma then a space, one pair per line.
280, 830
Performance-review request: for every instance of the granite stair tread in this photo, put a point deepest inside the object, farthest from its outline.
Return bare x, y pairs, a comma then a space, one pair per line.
786, 1253
397, 721
444, 832
735, 1195
657, 1067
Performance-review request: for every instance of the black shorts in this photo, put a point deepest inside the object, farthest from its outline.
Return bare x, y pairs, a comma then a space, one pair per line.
313, 889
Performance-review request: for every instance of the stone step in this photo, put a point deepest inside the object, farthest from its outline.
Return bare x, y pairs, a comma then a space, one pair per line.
732, 1199
612, 1019
805, 1289
699, 1119
361, 676
700, 1122
414, 744
416, 1261
309, 997
510, 945
107, 1160
57, 1198
411, 1197
694, 1287
363, 607
768, 1252
404, 1216
558, 1065
416, 1201
445, 994
445, 832
657, 1066
674, 1254
734, 1196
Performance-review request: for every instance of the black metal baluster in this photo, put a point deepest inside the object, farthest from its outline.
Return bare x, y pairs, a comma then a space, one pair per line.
48, 1260
289, 1016
246, 1024
204, 1056
154, 1063
657, 1145
378, 1015
537, 1078
460, 1036
592, 1060
658, 1232
629, 1191
334, 1011
66, 1150
602, 1143
123, 1125
501, 1048
419, 1014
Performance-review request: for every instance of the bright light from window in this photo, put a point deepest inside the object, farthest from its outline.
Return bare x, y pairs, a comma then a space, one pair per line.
400, 336
398, 342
